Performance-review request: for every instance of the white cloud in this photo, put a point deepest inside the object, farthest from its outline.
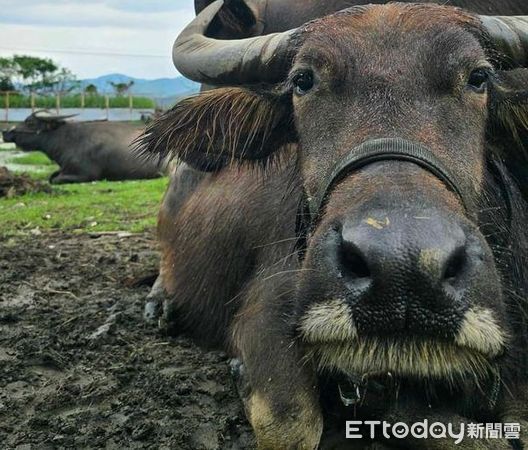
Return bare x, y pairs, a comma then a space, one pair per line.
95, 37
92, 14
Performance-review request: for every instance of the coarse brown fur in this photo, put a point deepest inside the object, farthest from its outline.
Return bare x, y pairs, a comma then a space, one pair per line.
233, 119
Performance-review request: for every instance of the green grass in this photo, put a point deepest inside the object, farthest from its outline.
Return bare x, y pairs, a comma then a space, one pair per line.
33, 159
43, 174
130, 206
87, 207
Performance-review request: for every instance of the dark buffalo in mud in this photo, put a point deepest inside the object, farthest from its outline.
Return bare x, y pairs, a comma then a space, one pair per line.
366, 257
85, 151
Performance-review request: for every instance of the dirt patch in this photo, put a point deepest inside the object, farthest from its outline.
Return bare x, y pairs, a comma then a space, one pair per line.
12, 185
80, 369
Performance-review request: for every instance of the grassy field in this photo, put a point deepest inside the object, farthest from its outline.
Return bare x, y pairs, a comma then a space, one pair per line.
34, 158
74, 101
129, 206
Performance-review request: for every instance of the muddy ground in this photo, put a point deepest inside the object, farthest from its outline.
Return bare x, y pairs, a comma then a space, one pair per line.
12, 184
80, 369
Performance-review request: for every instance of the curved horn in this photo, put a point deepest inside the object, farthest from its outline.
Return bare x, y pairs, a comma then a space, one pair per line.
46, 116
509, 35
41, 112
220, 62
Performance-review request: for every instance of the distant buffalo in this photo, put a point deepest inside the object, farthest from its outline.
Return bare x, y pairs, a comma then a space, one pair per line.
85, 151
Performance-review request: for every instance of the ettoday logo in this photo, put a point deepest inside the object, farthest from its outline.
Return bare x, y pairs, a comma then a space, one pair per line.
434, 430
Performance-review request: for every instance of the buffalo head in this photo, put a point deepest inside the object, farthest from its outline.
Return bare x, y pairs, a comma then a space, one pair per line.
26, 134
9, 135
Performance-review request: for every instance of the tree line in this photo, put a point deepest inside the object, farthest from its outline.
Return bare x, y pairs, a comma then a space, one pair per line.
33, 75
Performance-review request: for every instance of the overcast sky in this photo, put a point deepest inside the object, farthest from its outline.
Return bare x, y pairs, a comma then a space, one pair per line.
96, 37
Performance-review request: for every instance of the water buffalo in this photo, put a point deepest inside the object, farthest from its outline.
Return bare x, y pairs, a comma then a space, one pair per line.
365, 256
85, 151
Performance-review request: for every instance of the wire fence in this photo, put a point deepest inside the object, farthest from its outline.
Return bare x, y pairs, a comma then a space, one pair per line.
14, 101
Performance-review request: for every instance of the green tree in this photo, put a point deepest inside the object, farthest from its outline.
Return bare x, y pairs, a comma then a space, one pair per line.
91, 89
63, 81
7, 74
122, 88
6, 85
36, 74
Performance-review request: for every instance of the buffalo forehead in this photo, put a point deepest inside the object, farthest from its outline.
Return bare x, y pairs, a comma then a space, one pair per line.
397, 35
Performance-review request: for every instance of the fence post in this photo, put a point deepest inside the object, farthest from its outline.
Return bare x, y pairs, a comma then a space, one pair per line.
32, 102
82, 99
57, 101
107, 106
130, 104
7, 106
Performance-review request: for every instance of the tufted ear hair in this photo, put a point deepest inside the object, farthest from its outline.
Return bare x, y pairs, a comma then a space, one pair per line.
217, 127
508, 109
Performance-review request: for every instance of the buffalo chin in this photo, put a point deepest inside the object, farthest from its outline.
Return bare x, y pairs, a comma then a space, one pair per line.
431, 360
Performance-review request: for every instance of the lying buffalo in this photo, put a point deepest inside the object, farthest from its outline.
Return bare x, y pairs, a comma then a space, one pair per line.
366, 259
85, 151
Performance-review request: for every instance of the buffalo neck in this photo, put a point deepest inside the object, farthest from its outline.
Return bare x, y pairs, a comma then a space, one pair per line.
53, 142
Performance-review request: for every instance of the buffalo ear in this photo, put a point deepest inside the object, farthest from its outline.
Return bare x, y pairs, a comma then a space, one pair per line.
216, 127
509, 122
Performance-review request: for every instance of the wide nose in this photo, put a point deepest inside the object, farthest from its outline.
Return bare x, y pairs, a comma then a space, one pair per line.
433, 250
407, 264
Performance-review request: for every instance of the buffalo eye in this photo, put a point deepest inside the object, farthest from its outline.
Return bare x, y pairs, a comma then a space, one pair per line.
303, 82
478, 80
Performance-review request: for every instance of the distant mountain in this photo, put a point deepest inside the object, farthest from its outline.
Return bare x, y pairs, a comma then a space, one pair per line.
163, 89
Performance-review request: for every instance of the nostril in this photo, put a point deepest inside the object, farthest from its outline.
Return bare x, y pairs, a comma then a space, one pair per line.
353, 263
455, 265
